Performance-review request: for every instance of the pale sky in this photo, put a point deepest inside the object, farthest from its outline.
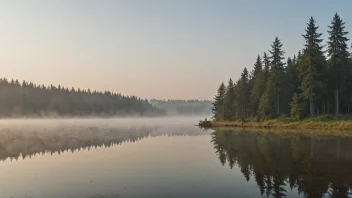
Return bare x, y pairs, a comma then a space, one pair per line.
176, 49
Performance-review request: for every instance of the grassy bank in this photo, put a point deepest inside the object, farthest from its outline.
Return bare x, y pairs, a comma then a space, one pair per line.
322, 123
288, 132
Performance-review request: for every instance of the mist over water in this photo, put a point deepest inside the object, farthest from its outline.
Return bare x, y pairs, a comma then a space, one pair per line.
43, 158
65, 124
25, 137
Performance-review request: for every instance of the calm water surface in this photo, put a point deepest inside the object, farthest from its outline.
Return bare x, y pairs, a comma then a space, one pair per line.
167, 157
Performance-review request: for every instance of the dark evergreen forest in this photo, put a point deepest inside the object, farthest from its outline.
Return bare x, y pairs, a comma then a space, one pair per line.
316, 81
28, 99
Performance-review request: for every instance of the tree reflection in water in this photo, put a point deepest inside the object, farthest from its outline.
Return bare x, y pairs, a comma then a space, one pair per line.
24, 143
317, 166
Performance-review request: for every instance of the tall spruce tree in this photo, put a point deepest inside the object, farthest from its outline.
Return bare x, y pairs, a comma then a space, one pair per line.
292, 81
266, 67
311, 65
219, 103
298, 59
243, 94
275, 80
258, 85
258, 67
267, 101
338, 54
229, 100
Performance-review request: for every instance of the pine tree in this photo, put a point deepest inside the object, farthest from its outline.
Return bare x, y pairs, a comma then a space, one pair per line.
229, 101
258, 67
242, 95
338, 54
311, 65
219, 103
267, 101
266, 67
291, 80
265, 106
299, 56
258, 85
275, 83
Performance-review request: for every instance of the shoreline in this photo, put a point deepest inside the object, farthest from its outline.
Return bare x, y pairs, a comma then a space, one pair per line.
275, 124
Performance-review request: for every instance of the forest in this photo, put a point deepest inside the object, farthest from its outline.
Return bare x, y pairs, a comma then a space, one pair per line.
184, 107
28, 99
316, 81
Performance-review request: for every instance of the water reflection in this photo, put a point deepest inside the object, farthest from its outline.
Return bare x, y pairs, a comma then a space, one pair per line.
267, 164
316, 166
22, 142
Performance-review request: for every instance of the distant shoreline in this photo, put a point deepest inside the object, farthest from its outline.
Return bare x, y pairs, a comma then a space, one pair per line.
79, 117
99, 117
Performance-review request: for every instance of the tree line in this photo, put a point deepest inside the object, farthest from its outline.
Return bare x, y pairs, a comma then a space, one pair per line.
314, 82
184, 107
28, 99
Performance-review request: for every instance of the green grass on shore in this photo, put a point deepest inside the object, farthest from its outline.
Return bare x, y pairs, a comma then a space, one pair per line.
325, 122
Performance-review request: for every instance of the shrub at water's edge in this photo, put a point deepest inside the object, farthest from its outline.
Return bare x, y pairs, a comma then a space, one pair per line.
205, 123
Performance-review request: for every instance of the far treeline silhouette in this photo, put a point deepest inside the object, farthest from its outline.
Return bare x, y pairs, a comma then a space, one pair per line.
315, 82
27, 99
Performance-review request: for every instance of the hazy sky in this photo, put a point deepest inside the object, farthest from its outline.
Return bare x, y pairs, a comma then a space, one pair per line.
179, 49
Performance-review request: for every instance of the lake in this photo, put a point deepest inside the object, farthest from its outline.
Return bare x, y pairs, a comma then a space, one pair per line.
167, 157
